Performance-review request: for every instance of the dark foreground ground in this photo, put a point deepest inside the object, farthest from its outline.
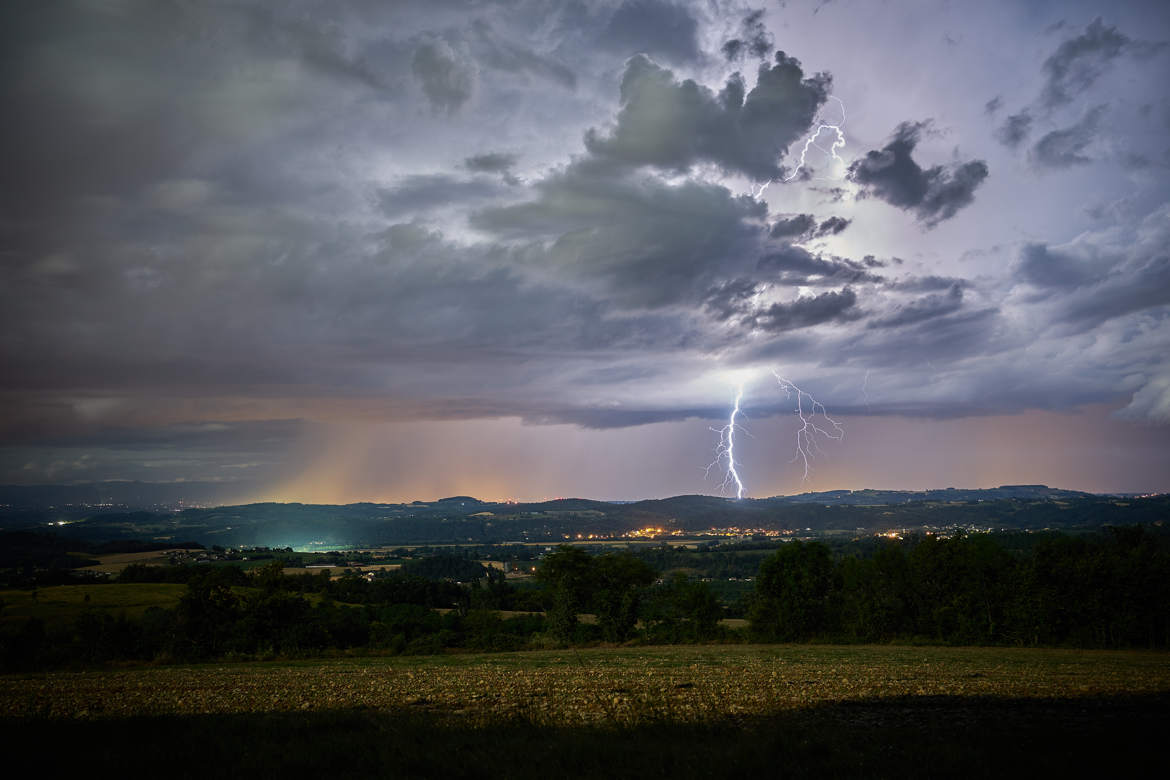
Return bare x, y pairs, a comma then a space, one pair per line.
640, 712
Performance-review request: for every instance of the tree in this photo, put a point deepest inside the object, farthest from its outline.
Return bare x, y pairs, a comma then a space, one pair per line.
270, 577
205, 617
683, 610
567, 572
792, 593
617, 582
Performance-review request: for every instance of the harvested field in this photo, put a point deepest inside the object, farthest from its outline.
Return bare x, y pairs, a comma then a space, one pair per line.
711, 712
112, 563
624, 686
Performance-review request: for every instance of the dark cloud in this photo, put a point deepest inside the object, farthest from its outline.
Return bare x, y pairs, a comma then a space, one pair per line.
794, 265
1065, 148
649, 242
673, 125
60, 425
928, 283
964, 332
656, 27
1135, 161
755, 39
1014, 129
492, 162
796, 227
1078, 62
1144, 287
322, 48
422, 192
993, 105
807, 311
730, 299
738, 300
494, 52
733, 49
608, 418
833, 226
925, 308
1097, 277
1044, 267
446, 78
933, 194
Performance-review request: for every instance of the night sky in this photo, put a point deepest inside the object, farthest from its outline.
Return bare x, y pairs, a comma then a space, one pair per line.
366, 250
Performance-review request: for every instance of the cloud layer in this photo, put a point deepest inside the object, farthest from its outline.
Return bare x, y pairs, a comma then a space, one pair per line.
226, 228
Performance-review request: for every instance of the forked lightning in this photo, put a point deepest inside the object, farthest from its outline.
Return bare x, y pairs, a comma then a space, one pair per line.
806, 434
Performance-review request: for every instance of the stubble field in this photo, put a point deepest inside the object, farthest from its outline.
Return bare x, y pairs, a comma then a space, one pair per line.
677, 711
589, 686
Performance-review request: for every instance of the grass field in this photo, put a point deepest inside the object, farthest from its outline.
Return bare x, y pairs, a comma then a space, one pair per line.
60, 605
711, 711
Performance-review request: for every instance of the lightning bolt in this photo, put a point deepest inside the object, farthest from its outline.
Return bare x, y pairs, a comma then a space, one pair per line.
811, 141
726, 449
838, 143
806, 435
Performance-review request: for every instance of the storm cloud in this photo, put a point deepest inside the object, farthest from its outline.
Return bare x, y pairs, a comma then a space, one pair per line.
932, 194
806, 311
233, 234
674, 124
649, 243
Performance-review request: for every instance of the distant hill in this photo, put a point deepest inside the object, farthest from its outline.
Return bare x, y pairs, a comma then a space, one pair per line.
467, 520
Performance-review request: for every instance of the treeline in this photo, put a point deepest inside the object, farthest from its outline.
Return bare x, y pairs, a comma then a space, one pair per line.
227, 613
1108, 591
30, 558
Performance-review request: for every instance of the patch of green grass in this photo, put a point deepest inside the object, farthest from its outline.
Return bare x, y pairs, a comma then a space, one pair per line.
60, 605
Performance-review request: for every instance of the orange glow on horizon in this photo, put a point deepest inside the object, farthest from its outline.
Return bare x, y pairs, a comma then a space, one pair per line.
506, 460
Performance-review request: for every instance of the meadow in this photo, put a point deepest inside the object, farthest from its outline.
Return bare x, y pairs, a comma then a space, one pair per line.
60, 605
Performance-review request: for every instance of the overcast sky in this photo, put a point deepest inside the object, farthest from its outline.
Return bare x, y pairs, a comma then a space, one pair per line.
358, 249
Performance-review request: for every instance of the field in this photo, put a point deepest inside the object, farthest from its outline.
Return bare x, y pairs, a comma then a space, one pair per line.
679, 711
60, 605
112, 563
